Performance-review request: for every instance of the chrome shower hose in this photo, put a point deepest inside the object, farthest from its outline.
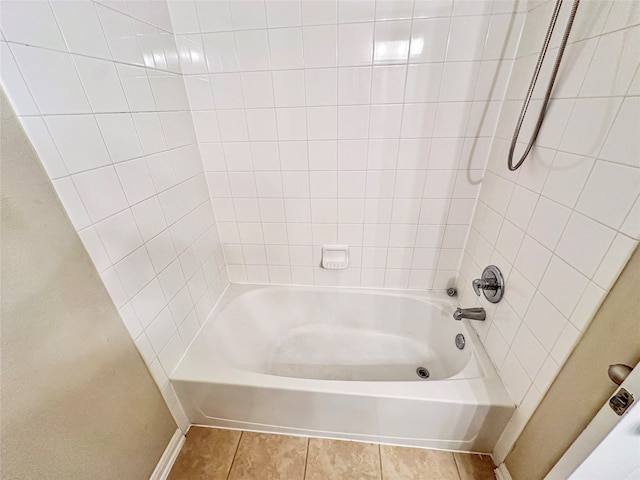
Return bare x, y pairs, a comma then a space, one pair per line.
527, 101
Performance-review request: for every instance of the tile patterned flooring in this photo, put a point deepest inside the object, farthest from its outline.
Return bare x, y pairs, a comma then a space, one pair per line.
215, 454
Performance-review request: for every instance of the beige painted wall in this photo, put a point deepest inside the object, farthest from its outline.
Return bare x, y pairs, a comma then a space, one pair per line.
582, 386
77, 400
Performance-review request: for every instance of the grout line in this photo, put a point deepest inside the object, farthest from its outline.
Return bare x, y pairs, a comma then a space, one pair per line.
235, 454
246, 125
380, 462
221, 109
306, 144
120, 112
450, 198
306, 459
397, 159
455, 462
232, 31
107, 6
277, 142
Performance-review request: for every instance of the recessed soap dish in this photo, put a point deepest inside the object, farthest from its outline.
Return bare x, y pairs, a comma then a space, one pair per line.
335, 257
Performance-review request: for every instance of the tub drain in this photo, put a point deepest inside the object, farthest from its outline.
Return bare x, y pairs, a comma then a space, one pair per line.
422, 372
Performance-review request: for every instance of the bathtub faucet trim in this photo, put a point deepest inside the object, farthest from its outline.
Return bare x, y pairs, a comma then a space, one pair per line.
471, 313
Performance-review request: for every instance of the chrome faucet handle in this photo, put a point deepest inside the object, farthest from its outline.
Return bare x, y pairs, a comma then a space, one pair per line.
481, 284
491, 283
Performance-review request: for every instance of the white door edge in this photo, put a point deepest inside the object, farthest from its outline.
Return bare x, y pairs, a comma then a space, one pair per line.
597, 430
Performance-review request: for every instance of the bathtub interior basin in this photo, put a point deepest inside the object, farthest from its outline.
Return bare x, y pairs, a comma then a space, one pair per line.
336, 335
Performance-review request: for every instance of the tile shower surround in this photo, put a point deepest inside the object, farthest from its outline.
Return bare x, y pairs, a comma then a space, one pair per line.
159, 100
357, 123
126, 122
563, 226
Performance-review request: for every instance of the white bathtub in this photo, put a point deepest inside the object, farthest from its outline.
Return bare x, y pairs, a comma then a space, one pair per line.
341, 363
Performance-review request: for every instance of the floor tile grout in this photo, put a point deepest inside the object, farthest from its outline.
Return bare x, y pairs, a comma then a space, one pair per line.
455, 462
235, 454
306, 459
465, 465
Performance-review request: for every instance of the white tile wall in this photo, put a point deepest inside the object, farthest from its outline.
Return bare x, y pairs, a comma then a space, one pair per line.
559, 218
321, 118
80, 75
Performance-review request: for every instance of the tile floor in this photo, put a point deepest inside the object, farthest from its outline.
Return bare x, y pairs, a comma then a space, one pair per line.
215, 454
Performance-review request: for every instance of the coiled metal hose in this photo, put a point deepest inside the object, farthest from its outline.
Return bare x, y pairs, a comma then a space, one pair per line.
556, 66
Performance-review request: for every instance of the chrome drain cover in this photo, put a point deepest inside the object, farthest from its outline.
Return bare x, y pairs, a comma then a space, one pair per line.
422, 372
460, 341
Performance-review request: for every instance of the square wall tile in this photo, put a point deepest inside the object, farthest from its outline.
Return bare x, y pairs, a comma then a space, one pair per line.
289, 88
257, 88
220, 51
136, 180
609, 193
461, 29
214, 16
548, 222
354, 85
388, 84
57, 91
184, 16
119, 235
285, 46
121, 35
391, 43
355, 44
261, 124
322, 123
530, 353
32, 23
587, 126
101, 192
135, 271
14, 84
321, 86
532, 259
79, 141
621, 145
320, 46
356, 11
102, 84
248, 14
545, 321
563, 285
581, 254
292, 123
429, 38
319, 13
283, 13
137, 88
227, 90
423, 83
120, 136
233, 125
